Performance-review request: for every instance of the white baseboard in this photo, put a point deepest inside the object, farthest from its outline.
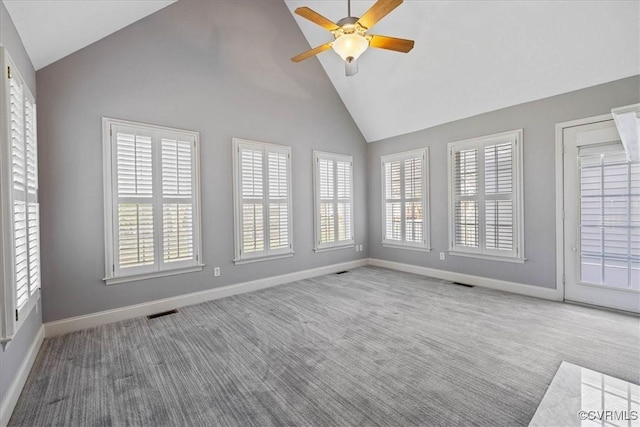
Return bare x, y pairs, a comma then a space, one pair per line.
485, 282
72, 324
13, 393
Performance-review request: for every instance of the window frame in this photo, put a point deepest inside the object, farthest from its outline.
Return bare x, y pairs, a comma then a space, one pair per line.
113, 273
336, 244
267, 254
425, 246
12, 319
515, 137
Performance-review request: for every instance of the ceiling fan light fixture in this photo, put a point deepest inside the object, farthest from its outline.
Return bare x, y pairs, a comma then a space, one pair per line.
350, 46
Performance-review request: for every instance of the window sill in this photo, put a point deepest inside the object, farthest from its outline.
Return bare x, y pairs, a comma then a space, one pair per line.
489, 257
154, 275
333, 248
262, 258
409, 248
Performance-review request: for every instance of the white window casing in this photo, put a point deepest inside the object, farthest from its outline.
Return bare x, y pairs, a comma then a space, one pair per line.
333, 201
405, 200
262, 201
20, 214
152, 201
486, 197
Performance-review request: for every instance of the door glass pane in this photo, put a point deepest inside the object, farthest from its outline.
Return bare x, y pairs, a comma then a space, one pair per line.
609, 219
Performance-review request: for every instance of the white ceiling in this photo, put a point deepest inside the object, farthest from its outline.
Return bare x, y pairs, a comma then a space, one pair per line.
52, 29
472, 57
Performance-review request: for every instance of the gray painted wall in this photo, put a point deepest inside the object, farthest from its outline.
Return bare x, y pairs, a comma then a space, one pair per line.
11, 358
192, 66
538, 119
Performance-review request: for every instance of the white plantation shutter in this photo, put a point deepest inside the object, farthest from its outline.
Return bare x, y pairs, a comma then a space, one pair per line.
263, 199
333, 197
485, 191
21, 209
498, 180
33, 205
178, 201
405, 221
154, 223
134, 198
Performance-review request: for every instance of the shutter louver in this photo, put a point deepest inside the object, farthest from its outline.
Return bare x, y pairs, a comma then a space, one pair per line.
413, 199
135, 170
21, 253
135, 206
263, 226
498, 179
333, 199
393, 214
405, 183
252, 201
136, 241
485, 186
327, 214
178, 201
152, 188
33, 205
19, 184
278, 201
466, 195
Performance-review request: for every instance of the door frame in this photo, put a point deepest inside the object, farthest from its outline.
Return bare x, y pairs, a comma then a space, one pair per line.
560, 127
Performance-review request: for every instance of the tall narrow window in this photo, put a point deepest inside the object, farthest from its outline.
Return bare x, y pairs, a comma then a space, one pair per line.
485, 193
152, 223
21, 210
262, 194
333, 197
405, 219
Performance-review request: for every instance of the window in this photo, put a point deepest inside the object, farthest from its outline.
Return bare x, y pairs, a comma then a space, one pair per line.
485, 197
152, 199
20, 213
609, 216
405, 219
333, 197
262, 201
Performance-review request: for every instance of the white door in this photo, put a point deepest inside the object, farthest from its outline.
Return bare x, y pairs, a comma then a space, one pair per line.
602, 218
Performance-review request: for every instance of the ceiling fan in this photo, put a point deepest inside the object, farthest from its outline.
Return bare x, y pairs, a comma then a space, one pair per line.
350, 34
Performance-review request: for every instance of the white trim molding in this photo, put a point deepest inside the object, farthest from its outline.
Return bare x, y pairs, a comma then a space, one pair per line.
78, 323
559, 152
484, 282
13, 393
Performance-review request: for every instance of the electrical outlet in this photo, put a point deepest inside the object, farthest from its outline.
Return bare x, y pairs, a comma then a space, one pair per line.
441, 256
216, 272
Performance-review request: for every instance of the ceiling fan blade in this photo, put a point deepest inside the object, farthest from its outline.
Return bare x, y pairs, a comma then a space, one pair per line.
351, 68
311, 52
316, 18
391, 43
378, 11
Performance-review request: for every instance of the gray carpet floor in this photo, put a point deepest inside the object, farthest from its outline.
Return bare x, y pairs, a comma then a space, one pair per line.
369, 347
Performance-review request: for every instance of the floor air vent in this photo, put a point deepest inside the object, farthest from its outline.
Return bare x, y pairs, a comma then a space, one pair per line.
164, 313
463, 284
342, 272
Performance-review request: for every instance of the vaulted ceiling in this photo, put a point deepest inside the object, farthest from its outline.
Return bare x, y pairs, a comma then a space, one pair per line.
470, 57
53, 29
